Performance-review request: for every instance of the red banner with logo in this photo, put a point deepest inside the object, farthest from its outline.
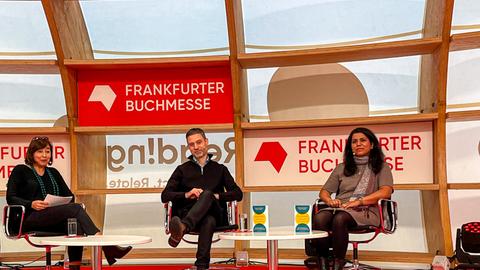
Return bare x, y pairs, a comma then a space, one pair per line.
166, 96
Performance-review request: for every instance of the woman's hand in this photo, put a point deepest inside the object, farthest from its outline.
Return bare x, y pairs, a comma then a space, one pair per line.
352, 204
335, 203
39, 205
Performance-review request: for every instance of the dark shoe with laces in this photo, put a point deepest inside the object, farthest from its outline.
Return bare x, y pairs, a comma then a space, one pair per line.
177, 230
311, 263
115, 252
338, 264
316, 263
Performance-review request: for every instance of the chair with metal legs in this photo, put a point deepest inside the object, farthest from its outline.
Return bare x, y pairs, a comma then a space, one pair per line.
13, 216
233, 220
388, 224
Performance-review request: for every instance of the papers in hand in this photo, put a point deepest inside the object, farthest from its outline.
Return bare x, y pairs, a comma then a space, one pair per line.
57, 200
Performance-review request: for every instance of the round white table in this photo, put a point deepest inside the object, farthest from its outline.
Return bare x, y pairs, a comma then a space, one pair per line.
272, 237
95, 241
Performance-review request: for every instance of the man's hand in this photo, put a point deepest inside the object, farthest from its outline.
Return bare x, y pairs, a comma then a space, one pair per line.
194, 193
39, 205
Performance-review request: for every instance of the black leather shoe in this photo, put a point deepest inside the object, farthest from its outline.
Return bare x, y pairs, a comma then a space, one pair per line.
339, 264
317, 263
177, 230
115, 252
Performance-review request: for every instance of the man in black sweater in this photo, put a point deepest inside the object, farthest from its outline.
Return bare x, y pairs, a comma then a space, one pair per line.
199, 190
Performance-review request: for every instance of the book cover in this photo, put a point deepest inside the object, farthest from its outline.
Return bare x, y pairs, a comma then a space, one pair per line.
259, 218
303, 218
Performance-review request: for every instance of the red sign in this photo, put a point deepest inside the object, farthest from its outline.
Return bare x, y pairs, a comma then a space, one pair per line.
173, 96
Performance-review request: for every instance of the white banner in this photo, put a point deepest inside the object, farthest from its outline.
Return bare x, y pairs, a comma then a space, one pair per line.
463, 152
14, 147
293, 157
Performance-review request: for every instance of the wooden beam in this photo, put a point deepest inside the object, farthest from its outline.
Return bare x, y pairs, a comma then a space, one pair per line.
147, 63
29, 67
32, 131
92, 174
465, 41
318, 187
340, 54
408, 118
433, 85
166, 129
69, 31
464, 186
71, 41
29, 256
254, 253
371, 255
236, 40
103, 191
472, 115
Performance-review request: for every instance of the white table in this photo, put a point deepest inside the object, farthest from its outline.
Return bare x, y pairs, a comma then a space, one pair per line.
272, 237
95, 241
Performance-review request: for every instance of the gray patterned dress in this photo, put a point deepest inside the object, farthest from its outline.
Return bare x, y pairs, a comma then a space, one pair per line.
346, 186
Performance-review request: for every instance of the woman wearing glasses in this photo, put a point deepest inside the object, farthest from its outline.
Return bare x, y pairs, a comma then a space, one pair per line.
29, 184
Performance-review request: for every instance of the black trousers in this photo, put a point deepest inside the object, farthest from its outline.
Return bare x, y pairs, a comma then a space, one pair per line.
337, 224
54, 219
203, 218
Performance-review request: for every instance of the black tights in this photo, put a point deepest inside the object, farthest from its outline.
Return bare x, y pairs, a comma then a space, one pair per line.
54, 219
337, 224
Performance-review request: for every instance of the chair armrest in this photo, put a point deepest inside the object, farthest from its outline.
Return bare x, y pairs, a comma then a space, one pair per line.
388, 215
317, 205
168, 216
13, 216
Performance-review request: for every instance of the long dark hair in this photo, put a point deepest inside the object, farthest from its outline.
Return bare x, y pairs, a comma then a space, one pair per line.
376, 156
35, 144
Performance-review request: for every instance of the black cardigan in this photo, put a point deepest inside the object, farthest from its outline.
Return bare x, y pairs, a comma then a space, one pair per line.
23, 187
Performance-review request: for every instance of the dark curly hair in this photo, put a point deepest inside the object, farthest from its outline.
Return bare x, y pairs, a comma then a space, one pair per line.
35, 144
376, 156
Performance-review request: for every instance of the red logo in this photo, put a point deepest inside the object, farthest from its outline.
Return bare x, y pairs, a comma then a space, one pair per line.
272, 152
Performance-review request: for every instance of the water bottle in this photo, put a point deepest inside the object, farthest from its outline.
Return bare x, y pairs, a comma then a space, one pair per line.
243, 223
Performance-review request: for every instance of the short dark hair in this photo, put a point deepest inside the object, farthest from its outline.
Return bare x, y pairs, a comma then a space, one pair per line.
376, 156
35, 144
194, 131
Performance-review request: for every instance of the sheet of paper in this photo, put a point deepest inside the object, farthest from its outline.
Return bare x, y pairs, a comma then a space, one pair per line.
57, 200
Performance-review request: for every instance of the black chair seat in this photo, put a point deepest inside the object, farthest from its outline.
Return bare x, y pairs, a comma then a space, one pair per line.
44, 234
363, 229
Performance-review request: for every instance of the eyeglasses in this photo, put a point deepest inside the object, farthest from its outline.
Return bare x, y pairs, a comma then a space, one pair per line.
40, 139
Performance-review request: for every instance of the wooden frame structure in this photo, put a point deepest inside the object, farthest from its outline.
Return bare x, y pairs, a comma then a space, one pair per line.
74, 52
